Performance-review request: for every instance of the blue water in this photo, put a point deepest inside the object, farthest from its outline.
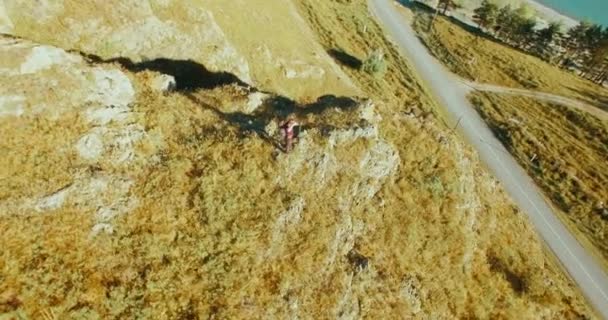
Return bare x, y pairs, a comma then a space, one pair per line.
595, 11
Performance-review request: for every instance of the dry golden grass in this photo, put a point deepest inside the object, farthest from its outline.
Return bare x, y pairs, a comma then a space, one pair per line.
569, 148
204, 239
215, 235
487, 61
27, 144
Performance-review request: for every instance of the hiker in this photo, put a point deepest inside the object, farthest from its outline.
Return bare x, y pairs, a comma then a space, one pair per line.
288, 133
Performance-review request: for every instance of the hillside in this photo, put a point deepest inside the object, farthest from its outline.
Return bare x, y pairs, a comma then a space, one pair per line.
568, 149
562, 148
486, 60
122, 199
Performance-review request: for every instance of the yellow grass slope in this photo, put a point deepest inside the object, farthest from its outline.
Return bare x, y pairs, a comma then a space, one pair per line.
119, 201
486, 61
564, 150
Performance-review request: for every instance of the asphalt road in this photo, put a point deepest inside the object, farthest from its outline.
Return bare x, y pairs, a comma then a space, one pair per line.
444, 87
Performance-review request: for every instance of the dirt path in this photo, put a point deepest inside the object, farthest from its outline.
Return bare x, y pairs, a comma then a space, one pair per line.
568, 102
449, 93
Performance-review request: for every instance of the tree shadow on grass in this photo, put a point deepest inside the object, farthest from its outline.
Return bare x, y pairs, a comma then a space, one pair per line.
502, 133
244, 123
419, 7
407, 3
345, 59
518, 282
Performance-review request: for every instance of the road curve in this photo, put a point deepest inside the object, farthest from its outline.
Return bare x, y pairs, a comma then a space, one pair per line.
580, 265
569, 102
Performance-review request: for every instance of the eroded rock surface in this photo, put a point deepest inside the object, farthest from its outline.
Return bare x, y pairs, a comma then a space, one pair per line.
138, 30
101, 98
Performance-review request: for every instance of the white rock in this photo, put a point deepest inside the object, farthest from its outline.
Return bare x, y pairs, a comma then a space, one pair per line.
291, 74
90, 147
164, 83
116, 144
271, 128
325, 168
44, 57
367, 112
380, 161
95, 186
123, 143
111, 88
293, 215
254, 101
103, 116
102, 227
11, 106
53, 201
106, 214
410, 293
341, 136
108, 195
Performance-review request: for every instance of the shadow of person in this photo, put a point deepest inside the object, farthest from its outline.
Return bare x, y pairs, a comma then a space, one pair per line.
244, 123
191, 76
278, 109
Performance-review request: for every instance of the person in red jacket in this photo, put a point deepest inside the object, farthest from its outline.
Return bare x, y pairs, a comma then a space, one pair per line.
288, 134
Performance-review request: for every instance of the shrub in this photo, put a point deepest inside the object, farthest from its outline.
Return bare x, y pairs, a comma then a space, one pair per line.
375, 64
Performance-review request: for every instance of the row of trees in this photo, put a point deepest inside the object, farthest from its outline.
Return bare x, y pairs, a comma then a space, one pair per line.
584, 46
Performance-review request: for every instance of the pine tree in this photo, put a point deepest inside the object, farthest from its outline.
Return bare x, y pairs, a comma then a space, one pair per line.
486, 15
447, 5
547, 38
504, 21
